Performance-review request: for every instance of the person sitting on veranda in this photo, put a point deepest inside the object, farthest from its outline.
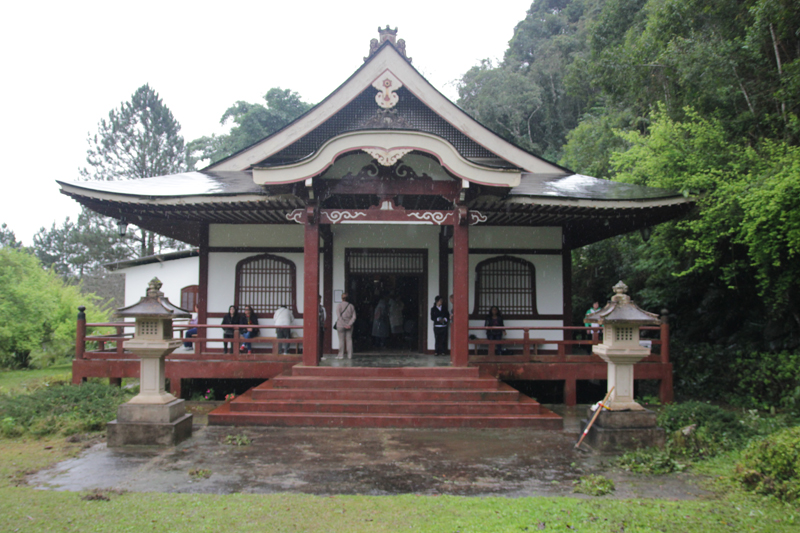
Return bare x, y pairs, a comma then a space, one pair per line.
191, 332
494, 320
249, 319
231, 318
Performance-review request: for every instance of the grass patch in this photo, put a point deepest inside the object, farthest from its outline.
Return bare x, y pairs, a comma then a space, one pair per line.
16, 381
60, 409
594, 485
63, 511
238, 440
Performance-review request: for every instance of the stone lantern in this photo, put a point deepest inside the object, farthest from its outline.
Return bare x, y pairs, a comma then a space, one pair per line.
154, 416
625, 423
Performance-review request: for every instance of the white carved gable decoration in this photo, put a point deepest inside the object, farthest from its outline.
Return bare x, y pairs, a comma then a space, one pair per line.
386, 157
387, 83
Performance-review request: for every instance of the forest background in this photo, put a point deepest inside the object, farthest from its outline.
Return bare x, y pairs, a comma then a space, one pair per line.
700, 96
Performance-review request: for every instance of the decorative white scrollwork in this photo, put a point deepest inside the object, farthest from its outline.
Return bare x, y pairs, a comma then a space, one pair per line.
476, 217
387, 84
337, 216
296, 216
385, 157
435, 217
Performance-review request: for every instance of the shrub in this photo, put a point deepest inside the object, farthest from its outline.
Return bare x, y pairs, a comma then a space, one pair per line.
711, 429
650, 461
61, 409
772, 465
768, 380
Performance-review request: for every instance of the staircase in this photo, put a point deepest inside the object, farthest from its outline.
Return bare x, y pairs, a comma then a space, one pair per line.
404, 397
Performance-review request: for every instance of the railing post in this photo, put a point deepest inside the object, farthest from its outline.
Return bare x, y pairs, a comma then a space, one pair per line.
664, 336
236, 341
526, 347
80, 333
120, 334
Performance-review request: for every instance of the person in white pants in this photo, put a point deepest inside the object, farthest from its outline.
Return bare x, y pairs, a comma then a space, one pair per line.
345, 318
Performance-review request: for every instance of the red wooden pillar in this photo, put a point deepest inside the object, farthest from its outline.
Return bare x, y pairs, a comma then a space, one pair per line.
327, 291
570, 391
202, 293
459, 353
311, 345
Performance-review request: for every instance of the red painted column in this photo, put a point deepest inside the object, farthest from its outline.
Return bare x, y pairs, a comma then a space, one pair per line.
202, 292
327, 291
311, 343
459, 353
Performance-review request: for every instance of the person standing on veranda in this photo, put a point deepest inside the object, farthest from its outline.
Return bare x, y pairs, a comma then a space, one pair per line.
345, 318
283, 317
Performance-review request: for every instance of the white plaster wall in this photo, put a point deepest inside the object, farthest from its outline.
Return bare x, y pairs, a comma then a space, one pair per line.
273, 235
392, 237
175, 275
514, 237
549, 294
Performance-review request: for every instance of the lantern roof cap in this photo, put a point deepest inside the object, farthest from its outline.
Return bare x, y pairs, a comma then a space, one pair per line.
153, 305
621, 309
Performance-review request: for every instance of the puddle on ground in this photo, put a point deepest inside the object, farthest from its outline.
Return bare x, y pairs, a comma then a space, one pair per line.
465, 462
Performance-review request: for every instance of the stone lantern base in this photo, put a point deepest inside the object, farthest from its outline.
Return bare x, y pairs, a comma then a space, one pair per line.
149, 425
624, 430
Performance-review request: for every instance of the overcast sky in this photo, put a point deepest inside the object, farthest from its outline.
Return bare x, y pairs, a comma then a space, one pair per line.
67, 64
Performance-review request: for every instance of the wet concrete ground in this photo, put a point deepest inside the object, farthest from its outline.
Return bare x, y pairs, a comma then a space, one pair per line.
468, 462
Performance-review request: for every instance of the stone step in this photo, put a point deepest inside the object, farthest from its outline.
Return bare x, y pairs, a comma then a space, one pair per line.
448, 372
224, 416
525, 405
383, 383
269, 391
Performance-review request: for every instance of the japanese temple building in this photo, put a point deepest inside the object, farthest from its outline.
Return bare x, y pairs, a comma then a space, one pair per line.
384, 187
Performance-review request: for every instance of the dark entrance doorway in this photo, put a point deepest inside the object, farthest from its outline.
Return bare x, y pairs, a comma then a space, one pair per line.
388, 289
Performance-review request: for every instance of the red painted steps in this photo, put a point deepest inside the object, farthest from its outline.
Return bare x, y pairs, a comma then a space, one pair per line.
424, 397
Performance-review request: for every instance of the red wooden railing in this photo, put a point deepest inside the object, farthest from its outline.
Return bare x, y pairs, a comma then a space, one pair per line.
529, 343
103, 346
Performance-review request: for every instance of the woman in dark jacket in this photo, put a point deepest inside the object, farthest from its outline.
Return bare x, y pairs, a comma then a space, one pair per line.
494, 320
232, 318
440, 316
250, 318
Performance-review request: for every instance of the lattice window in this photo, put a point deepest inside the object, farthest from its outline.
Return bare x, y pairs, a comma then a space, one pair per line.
507, 282
624, 334
386, 262
147, 327
266, 282
189, 297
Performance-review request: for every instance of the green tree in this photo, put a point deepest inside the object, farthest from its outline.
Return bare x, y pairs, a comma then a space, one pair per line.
251, 123
8, 238
37, 312
525, 97
140, 139
74, 249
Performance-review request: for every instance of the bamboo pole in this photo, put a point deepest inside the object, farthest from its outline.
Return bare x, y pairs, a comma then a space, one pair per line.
596, 413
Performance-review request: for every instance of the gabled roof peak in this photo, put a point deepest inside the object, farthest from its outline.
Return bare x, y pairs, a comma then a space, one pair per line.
387, 35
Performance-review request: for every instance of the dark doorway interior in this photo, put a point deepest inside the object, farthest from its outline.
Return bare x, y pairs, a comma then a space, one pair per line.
366, 291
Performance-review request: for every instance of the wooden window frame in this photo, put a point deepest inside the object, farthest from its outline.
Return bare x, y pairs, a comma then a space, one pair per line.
292, 275
195, 291
478, 314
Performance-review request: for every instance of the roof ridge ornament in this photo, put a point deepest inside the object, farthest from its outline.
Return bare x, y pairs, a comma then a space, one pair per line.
387, 34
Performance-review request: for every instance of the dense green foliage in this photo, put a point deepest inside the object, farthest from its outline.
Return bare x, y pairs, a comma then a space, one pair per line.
772, 465
37, 312
60, 409
696, 96
251, 123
